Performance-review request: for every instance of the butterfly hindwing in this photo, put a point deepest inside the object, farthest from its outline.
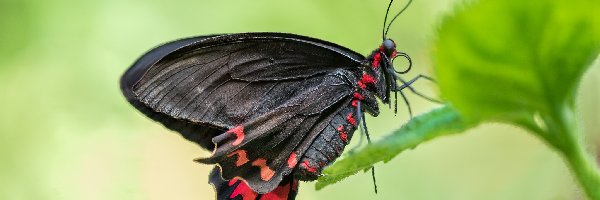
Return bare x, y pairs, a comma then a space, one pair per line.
236, 189
260, 150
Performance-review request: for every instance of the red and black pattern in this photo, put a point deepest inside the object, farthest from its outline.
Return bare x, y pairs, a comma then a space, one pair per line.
328, 145
274, 108
238, 189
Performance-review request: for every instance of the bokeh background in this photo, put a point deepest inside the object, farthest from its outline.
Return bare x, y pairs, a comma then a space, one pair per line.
67, 133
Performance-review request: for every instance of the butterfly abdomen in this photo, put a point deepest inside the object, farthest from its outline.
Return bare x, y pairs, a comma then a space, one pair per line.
328, 145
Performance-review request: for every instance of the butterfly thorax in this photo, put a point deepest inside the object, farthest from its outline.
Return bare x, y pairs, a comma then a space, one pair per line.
376, 79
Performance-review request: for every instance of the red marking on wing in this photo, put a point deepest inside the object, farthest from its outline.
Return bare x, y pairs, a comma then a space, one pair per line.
242, 189
350, 119
242, 157
238, 131
343, 134
266, 173
279, 193
292, 160
306, 165
232, 181
376, 60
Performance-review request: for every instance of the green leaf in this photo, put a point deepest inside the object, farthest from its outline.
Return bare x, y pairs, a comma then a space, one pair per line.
520, 62
508, 60
439, 122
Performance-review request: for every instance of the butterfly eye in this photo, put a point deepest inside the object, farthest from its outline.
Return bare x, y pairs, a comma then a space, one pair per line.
389, 47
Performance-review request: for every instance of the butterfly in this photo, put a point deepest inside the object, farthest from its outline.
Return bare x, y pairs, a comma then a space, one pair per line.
274, 108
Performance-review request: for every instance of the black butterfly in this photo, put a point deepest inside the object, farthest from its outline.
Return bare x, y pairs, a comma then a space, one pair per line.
274, 108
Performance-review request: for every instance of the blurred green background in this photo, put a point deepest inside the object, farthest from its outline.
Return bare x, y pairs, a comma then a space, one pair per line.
66, 132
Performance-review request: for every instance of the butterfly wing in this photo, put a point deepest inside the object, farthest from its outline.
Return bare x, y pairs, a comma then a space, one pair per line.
265, 149
198, 133
259, 96
236, 189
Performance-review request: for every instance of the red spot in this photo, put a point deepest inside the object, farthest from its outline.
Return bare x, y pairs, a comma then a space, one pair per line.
361, 84
279, 193
266, 173
242, 189
376, 60
343, 134
306, 165
358, 96
242, 157
355, 102
350, 119
292, 160
394, 53
232, 181
368, 79
238, 131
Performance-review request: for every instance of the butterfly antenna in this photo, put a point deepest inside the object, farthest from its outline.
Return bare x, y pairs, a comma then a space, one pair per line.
396, 16
383, 32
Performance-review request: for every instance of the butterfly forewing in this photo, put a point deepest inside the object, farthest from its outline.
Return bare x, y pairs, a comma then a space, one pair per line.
194, 82
198, 133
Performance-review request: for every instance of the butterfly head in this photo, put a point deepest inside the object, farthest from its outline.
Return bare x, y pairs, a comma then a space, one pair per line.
388, 46
382, 59
381, 68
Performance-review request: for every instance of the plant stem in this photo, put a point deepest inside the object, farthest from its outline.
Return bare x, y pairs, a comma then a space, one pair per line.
567, 138
585, 169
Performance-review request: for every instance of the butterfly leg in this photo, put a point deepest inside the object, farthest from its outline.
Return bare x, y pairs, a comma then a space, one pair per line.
363, 131
396, 90
361, 118
407, 104
407, 84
